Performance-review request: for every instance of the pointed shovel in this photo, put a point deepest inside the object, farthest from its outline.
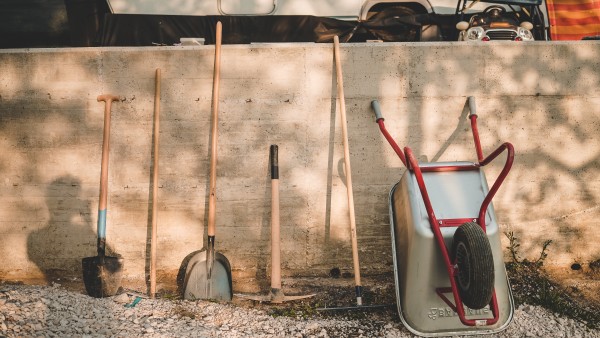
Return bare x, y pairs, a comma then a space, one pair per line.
208, 272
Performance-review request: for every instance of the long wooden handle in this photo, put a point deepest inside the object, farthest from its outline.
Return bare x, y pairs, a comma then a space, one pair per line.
153, 242
340, 92
212, 198
105, 149
275, 225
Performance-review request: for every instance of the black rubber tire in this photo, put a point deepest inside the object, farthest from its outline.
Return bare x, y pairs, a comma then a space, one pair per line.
472, 253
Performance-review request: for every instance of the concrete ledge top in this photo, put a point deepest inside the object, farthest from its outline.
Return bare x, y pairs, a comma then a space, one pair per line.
302, 45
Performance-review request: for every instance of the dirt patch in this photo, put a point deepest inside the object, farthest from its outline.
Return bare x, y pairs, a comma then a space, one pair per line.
582, 281
567, 294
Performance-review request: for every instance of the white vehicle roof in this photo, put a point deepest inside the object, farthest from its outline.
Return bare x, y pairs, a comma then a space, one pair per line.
343, 9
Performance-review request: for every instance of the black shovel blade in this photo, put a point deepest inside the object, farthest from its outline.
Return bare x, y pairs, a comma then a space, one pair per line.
199, 285
102, 275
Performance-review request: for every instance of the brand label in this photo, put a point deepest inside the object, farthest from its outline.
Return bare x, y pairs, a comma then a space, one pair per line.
441, 312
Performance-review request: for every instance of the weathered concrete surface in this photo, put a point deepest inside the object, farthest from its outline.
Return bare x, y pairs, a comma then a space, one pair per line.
543, 97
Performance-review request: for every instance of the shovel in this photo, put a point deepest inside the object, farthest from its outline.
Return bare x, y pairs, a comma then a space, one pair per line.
208, 272
102, 274
276, 295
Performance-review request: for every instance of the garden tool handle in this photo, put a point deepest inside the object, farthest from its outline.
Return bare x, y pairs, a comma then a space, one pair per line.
107, 98
344, 123
275, 222
377, 110
156, 134
212, 197
472, 107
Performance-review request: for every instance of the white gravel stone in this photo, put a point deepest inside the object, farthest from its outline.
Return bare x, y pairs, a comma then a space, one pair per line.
121, 299
31, 311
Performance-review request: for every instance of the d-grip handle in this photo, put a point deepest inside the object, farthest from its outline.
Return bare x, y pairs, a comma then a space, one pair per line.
377, 110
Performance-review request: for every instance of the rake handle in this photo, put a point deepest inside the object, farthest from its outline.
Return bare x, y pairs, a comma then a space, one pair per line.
155, 184
340, 93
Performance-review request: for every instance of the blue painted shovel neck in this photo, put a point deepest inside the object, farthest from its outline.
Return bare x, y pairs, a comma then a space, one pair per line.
102, 223
101, 232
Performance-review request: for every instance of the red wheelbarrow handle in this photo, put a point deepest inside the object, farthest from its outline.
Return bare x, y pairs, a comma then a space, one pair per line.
379, 119
510, 156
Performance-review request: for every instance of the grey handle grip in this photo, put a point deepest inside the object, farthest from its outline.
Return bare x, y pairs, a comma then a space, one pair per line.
377, 110
472, 107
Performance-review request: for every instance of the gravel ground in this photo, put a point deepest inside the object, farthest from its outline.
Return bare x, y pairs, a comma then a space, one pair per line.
44, 311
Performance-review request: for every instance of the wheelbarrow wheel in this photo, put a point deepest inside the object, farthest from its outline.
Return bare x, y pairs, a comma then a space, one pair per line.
472, 254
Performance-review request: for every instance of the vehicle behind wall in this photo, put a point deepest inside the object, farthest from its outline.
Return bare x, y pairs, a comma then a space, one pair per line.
514, 20
155, 22
380, 12
338, 9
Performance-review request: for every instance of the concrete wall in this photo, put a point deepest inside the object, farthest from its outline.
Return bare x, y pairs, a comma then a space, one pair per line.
543, 97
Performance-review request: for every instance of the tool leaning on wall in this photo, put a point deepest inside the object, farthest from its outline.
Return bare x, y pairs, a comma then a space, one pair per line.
102, 274
276, 295
153, 240
349, 191
208, 273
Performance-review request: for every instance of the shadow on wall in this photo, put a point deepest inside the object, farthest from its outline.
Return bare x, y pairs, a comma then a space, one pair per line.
68, 237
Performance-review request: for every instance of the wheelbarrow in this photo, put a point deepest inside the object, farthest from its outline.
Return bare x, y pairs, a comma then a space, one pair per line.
444, 231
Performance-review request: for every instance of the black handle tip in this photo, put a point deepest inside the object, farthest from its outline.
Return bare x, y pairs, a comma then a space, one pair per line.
274, 162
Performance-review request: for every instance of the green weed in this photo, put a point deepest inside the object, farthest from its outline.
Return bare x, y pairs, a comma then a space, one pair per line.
531, 285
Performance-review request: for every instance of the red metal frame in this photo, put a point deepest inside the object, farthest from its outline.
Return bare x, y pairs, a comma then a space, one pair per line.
412, 164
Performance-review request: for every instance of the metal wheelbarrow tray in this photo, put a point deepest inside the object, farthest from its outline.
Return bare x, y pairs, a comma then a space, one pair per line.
431, 208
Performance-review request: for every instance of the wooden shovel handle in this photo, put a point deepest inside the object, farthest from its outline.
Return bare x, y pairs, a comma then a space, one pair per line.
105, 149
212, 198
340, 92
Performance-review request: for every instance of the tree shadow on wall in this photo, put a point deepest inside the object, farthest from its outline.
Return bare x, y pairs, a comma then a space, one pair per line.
57, 249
